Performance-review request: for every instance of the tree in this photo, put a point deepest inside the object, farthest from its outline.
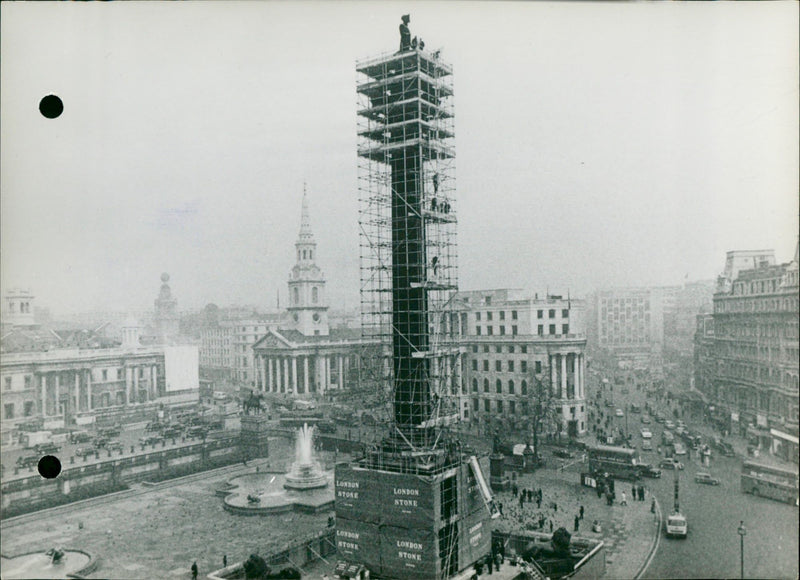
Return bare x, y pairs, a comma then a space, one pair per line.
542, 406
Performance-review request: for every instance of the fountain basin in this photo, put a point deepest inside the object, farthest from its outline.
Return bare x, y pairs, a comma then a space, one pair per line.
302, 477
275, 497
37, 565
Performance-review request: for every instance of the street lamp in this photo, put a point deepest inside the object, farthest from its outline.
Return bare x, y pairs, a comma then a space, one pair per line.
742, 533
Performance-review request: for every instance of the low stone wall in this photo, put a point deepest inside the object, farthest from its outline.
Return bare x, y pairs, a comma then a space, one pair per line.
32, 493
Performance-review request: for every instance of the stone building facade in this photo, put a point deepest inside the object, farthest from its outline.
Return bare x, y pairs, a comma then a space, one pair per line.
747, 353
513, 340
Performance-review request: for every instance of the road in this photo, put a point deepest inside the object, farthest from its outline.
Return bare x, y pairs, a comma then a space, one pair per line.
712, 549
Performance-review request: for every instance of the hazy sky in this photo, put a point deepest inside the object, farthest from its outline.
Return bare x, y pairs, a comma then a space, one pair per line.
597, 144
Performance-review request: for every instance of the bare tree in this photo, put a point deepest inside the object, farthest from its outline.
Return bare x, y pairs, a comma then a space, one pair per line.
542, 405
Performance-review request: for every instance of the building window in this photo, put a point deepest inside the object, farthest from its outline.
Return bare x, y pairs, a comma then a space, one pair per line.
314, 294
540, 330
485, 348
499, 386
524, 387
499, 406
474, 385
486, 366
565, 313
474, 364
511, 366
485, 385
27, 381
478, 316
488, 300
8, 412
514, 330
487, 405
29, 409
538, 367
119, 375
474, 348
552, 329
524, 349
511, 349
489, 330
524, 407
296, 295
502, 330
510, 387
478, 330
523, 366
513, 315
498, 365
552, 313
502, 315
105, 375
498, 349
475, 404
565, 329
7, 383
512, 408
488, 316
540, 314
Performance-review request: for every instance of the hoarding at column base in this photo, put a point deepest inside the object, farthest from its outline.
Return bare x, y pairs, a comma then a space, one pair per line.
409, 552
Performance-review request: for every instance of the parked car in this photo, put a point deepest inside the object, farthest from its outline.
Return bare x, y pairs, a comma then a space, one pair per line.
646, 419
680, 429
172, 431
619, 413
670, 464
669, 424
100, 442
114, 446
152, 426
724, 447
646, 434
647, 444
679, 449
112, 431
84, 451
46, 448
151, 439
660, 418
28, 461
79, 437
609, 403
702, 477
197, 431
647, 470
563, 453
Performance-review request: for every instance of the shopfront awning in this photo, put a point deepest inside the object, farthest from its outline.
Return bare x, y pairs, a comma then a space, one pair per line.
784, 436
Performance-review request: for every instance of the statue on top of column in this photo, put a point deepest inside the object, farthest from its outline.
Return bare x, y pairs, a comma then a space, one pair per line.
405, 33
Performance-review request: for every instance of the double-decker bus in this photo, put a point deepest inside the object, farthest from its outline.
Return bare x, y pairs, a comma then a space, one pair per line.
771, 482
617, 462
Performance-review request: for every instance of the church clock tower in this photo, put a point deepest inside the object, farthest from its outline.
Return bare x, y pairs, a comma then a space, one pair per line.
308, 309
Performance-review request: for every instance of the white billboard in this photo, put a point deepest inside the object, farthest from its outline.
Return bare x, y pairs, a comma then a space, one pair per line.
182, 368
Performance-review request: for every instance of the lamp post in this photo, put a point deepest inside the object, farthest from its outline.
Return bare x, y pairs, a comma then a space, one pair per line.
742, 533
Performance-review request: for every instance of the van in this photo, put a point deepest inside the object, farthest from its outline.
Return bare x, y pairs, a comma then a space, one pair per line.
677, 527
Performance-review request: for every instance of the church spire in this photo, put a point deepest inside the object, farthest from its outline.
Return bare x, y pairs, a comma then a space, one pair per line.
306, 235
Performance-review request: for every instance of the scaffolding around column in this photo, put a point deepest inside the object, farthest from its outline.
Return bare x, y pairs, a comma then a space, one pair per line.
408, 220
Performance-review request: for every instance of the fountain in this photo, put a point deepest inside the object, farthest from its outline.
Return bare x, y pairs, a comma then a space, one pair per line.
304, 487
305, 472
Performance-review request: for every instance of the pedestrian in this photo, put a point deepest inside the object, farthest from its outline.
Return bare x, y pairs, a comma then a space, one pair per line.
500, 507
194, 571
551, 526
225, 560
555, 507
581, 512
633, 492
489, 563
538, 503
653, 506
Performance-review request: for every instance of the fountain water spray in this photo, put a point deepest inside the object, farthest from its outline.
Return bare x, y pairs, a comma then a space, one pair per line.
305, 472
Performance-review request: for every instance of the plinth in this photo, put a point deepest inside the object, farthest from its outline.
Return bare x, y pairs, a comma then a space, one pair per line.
254, 436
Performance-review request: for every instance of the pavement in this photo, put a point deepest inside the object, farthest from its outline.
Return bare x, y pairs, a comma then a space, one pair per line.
630, 532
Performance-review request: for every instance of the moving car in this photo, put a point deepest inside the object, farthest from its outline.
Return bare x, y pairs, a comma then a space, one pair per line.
659, 418
84, 451
28, 461
679, 449
563, 453
79, 437
114, 446
703, 477
609, 403
670, 464
646, 419
647, 445
669, 424
619, 413
647, 470
646, 434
